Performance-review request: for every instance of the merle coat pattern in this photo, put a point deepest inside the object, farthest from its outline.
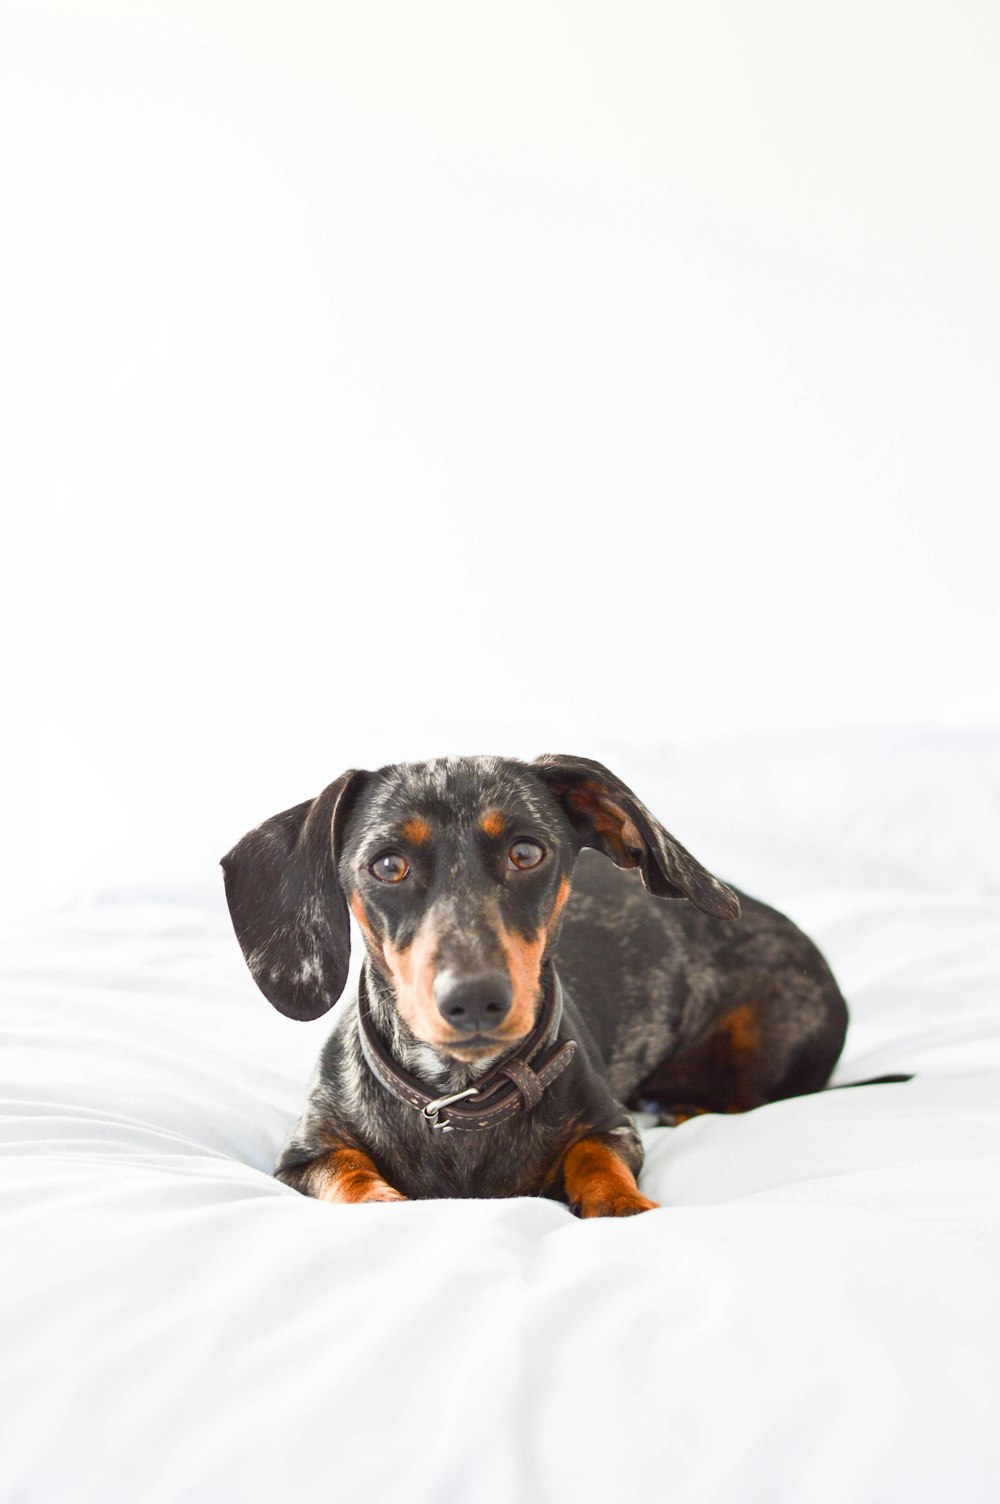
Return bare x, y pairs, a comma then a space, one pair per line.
471, 886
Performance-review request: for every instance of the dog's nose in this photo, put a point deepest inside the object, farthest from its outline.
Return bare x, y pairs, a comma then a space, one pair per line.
474, 1005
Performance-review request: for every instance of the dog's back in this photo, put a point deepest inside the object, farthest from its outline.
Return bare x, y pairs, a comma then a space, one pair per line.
656, 980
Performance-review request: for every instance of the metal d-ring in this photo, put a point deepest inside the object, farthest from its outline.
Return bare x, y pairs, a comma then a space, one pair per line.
439, 1104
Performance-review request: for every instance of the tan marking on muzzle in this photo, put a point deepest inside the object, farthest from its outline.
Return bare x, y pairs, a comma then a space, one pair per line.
524, 959
560, 902
524, 964
358, 910
412, 971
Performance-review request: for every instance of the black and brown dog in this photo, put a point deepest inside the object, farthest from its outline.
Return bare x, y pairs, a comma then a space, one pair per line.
467, 1068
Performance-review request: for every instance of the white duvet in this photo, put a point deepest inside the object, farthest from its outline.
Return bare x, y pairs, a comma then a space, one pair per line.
813, 1315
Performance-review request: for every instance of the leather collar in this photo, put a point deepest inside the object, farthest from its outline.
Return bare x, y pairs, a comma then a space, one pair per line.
515, 1085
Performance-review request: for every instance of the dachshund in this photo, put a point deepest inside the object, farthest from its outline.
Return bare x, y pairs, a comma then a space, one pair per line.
542, 959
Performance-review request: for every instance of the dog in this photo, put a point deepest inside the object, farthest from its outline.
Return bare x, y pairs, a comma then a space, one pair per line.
542, 958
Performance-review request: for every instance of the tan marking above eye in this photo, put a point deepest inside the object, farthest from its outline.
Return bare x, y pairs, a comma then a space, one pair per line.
416, 830
493, 823
390, 867
526, 854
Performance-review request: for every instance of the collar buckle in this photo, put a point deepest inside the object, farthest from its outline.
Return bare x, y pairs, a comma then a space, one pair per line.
430, 1112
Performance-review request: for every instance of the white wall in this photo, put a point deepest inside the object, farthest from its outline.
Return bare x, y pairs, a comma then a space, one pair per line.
620, 368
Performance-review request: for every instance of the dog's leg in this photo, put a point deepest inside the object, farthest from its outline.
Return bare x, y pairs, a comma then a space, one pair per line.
754, 1052
599, 1183
345, 1175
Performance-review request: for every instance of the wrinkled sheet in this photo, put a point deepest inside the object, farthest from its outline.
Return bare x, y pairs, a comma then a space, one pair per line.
812, 1314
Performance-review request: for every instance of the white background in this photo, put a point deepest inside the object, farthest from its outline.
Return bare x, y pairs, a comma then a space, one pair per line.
373, 370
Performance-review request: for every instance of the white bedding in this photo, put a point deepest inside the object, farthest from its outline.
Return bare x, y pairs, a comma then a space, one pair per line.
813, 1315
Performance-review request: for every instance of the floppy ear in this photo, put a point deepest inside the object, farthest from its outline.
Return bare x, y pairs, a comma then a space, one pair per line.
610, 818
287, 906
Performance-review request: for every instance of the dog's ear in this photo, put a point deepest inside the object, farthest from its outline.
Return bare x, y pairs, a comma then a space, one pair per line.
609, 817
287, 906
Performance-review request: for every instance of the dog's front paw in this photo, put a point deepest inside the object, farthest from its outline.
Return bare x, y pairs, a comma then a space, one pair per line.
356, 1195
347, 1176
599, 1183
383, 1192
614, 1201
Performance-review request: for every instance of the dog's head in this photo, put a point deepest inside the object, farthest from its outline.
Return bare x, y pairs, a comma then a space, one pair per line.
457, 872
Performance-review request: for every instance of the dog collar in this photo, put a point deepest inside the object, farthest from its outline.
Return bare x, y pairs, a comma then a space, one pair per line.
515, 1085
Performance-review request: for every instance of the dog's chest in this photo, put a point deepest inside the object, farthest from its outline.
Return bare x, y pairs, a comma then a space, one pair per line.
514, 1158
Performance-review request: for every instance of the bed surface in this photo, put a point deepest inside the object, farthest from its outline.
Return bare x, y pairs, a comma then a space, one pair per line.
813, 1315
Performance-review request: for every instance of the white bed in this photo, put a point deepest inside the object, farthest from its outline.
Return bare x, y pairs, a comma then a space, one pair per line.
813, 1315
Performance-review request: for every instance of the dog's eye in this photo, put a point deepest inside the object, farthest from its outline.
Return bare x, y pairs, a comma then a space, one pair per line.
390, 867
525, 854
